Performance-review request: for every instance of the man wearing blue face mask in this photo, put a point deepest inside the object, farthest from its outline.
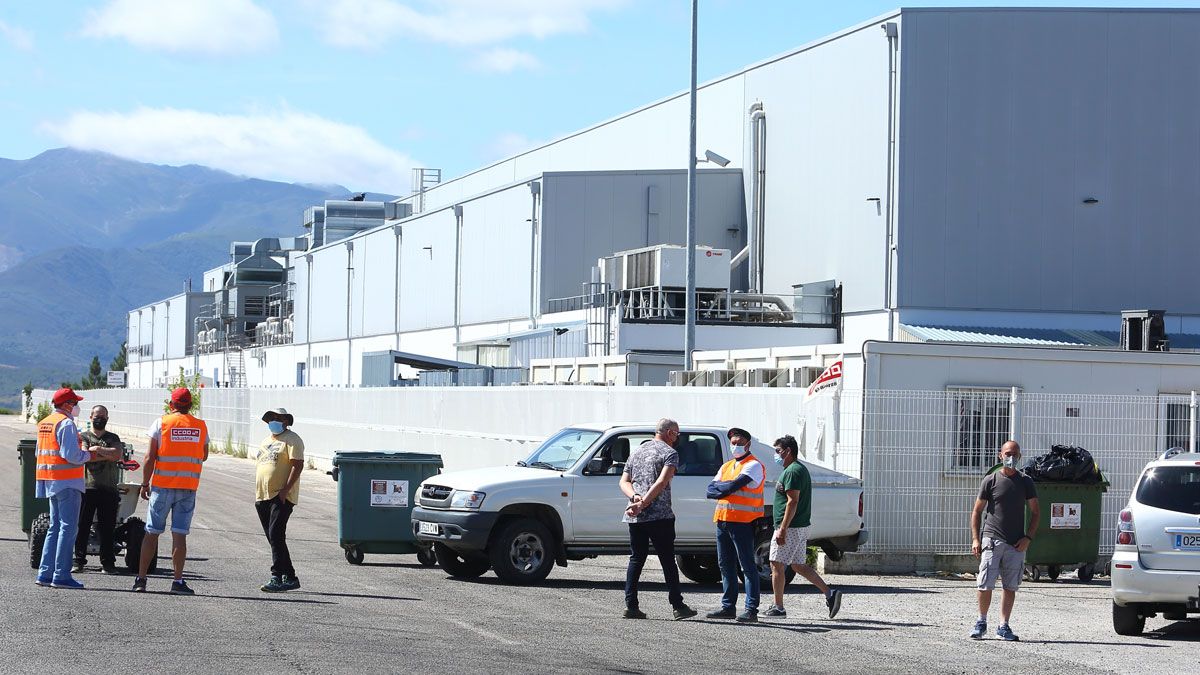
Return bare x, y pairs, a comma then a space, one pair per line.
277, 490
792, 514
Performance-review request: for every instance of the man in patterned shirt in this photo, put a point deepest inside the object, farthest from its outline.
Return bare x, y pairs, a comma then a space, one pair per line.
647, 482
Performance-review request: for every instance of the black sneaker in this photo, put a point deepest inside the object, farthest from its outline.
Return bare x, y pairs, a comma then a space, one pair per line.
180, 587
776, 612
723, 613
834, 603
290, 583
275, 585
79, 566
634, 614
684, 612
748, 616
110, 569
139, 584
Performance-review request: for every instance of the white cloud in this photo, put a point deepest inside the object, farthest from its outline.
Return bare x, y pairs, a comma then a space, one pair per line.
19, 38
282, 145
370, 24
505, 60
211, 27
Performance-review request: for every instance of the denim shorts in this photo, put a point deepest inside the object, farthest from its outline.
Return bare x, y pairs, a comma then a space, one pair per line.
181, 504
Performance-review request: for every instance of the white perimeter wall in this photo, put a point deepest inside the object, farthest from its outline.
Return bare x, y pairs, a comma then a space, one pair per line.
469, 426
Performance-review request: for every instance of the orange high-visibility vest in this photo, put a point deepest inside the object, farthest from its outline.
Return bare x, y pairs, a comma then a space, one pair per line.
180, 452
50, 464
746, 504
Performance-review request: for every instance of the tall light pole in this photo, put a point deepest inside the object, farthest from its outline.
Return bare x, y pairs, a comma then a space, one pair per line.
689, 321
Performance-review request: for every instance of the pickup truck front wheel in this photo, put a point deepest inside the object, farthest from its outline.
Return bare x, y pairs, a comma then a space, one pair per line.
522, 552
456, 564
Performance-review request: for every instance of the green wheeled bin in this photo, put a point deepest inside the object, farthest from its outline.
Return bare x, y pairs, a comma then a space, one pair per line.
376, 495
35, 512
1068, 534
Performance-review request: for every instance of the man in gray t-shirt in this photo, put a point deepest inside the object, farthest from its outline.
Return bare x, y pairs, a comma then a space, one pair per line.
1003, 497
646, 481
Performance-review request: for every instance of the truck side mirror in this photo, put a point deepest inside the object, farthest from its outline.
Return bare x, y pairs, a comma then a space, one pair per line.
596, 466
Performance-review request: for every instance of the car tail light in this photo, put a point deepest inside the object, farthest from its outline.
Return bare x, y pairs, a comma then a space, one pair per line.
860, 505
1125, 531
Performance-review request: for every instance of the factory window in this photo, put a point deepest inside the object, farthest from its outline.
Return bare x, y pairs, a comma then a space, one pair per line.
979, 425
1177, 421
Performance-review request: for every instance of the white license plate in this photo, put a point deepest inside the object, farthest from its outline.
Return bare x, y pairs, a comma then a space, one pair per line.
427, 528
1187, 542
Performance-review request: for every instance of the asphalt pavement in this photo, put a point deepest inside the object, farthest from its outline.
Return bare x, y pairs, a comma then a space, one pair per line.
393, 615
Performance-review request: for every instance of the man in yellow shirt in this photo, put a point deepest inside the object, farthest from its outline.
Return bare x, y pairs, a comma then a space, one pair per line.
277, 490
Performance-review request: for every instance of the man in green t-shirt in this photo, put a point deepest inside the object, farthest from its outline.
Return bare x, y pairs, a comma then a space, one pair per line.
793, 514
277, 490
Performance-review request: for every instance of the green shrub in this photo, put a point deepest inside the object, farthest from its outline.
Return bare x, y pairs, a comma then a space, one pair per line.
193, 385
43, 410
6, 411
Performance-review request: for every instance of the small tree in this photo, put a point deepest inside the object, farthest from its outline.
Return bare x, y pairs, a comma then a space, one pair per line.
193, 385
120, 361
95, 378
27, 391
43, 411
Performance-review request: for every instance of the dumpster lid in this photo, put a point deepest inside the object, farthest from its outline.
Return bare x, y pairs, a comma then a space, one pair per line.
1103, 480
385, 457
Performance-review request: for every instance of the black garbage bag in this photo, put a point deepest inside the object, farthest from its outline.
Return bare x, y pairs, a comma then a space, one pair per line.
1064, 464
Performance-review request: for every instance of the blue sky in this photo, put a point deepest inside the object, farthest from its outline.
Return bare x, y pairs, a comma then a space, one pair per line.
357, 92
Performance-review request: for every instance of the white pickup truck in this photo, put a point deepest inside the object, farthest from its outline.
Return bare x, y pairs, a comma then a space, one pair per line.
564, 503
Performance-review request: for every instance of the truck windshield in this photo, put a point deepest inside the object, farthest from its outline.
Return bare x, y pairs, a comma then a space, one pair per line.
563, 449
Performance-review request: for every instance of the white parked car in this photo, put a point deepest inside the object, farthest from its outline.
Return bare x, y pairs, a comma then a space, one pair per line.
564, 503
1156, 561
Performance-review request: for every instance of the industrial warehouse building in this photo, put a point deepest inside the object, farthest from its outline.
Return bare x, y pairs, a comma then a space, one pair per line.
960, 202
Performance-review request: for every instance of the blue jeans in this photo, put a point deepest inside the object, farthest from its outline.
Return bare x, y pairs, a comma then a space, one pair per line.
735, 547
60, 538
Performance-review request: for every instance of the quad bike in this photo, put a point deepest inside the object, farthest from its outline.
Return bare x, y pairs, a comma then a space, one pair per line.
129, 532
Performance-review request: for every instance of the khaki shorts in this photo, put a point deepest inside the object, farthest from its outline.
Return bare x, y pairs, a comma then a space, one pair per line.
999, 559
795, 551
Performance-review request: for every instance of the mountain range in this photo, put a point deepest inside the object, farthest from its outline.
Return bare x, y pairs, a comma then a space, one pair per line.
86, 236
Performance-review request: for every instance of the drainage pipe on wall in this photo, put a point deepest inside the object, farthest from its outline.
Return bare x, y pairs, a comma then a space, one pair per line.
758, 164
892, 32
535, 190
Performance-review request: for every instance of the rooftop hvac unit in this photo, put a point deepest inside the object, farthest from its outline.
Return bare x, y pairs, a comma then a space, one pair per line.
397, 210
664, 266
688, 378
723, 378
769, 377
1143, 330
805, 375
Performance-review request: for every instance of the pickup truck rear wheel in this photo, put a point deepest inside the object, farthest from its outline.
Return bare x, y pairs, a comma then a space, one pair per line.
762, 557
522, 552
456, 564
702, 569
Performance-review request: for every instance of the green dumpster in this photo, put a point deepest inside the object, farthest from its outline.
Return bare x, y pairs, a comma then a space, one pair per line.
1068, 534
31, 507
376, 495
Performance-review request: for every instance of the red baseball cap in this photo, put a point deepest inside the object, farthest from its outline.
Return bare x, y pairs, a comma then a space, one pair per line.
182, 396
64, 396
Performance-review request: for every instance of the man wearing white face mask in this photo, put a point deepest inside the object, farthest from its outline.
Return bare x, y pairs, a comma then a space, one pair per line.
277, 490
738, 489
1004, 495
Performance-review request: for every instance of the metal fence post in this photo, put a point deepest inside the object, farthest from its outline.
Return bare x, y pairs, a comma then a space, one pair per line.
1192, 423
1014, 415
